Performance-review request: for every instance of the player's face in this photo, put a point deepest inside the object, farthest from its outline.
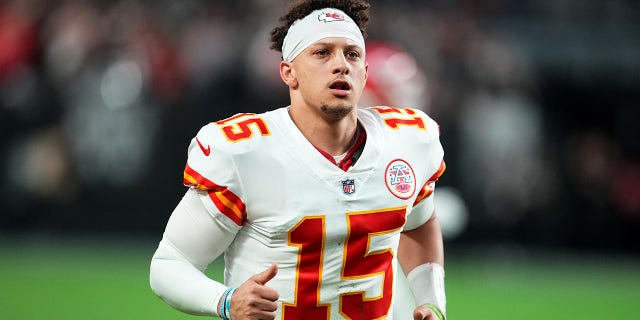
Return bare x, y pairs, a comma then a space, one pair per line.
331, 75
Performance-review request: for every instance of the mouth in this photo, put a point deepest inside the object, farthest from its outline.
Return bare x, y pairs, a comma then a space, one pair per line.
340, 87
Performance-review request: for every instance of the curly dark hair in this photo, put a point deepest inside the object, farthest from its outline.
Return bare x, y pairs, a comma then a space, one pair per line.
358, 10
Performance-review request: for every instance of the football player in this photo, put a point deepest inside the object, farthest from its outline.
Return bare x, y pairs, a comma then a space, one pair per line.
311, 204
394, 78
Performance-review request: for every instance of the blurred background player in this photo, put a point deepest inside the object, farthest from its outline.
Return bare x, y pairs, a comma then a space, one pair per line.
395, 78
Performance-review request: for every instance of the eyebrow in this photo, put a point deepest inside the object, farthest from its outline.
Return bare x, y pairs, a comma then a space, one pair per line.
331, 44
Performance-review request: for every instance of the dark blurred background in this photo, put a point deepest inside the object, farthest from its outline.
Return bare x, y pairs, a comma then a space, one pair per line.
538, 103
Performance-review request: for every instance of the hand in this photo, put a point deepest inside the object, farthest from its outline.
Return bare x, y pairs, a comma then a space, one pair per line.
424, 313
253, 300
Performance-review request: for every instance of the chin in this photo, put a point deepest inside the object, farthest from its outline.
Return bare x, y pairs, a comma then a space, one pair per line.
336, 112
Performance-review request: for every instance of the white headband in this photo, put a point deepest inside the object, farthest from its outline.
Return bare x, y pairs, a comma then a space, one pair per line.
319, 24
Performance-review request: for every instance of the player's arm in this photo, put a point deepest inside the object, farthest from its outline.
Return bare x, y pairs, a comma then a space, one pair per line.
421, 256
421, 253
193, 238
191, 241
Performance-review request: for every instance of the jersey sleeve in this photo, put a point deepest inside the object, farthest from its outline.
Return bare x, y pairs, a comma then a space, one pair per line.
210, 168
423, 206
191, 241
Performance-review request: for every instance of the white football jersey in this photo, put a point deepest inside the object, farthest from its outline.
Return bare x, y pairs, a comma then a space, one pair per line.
333, 233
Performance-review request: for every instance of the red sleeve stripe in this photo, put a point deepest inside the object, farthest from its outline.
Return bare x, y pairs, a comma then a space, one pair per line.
226, 201
229, 204
428, 187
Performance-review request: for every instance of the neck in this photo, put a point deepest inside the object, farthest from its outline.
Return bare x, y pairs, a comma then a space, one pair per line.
334, 136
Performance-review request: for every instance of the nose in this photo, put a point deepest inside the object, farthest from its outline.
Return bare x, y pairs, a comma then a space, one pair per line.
340, 64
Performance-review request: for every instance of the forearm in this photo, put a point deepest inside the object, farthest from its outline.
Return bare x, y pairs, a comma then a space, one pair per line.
182, 285
192, 239
421, 245
421, 256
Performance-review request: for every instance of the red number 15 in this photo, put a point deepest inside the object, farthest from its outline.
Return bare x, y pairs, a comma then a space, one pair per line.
358, 263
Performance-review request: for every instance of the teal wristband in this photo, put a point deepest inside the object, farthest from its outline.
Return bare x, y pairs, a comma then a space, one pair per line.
227, 304
223, 304
436, 310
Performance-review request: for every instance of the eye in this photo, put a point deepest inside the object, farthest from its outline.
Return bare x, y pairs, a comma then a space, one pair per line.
353, 54
322, 52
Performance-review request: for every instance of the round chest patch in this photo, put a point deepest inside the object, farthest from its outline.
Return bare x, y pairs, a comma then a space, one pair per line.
400, 179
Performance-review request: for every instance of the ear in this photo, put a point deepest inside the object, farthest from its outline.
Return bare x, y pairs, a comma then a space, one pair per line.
366, 72
287, 74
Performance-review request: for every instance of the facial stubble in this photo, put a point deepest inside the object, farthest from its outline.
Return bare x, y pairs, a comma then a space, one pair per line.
336, 112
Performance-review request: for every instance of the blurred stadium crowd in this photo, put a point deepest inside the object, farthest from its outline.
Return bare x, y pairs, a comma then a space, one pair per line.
538, 103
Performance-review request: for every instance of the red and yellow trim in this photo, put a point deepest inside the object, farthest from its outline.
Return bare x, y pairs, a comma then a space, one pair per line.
226, 201
428, 187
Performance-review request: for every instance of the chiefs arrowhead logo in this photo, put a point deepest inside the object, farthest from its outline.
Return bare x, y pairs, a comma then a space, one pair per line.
330, 17
206, 150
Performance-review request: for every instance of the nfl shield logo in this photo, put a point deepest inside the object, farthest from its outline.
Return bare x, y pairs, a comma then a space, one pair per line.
348, 186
